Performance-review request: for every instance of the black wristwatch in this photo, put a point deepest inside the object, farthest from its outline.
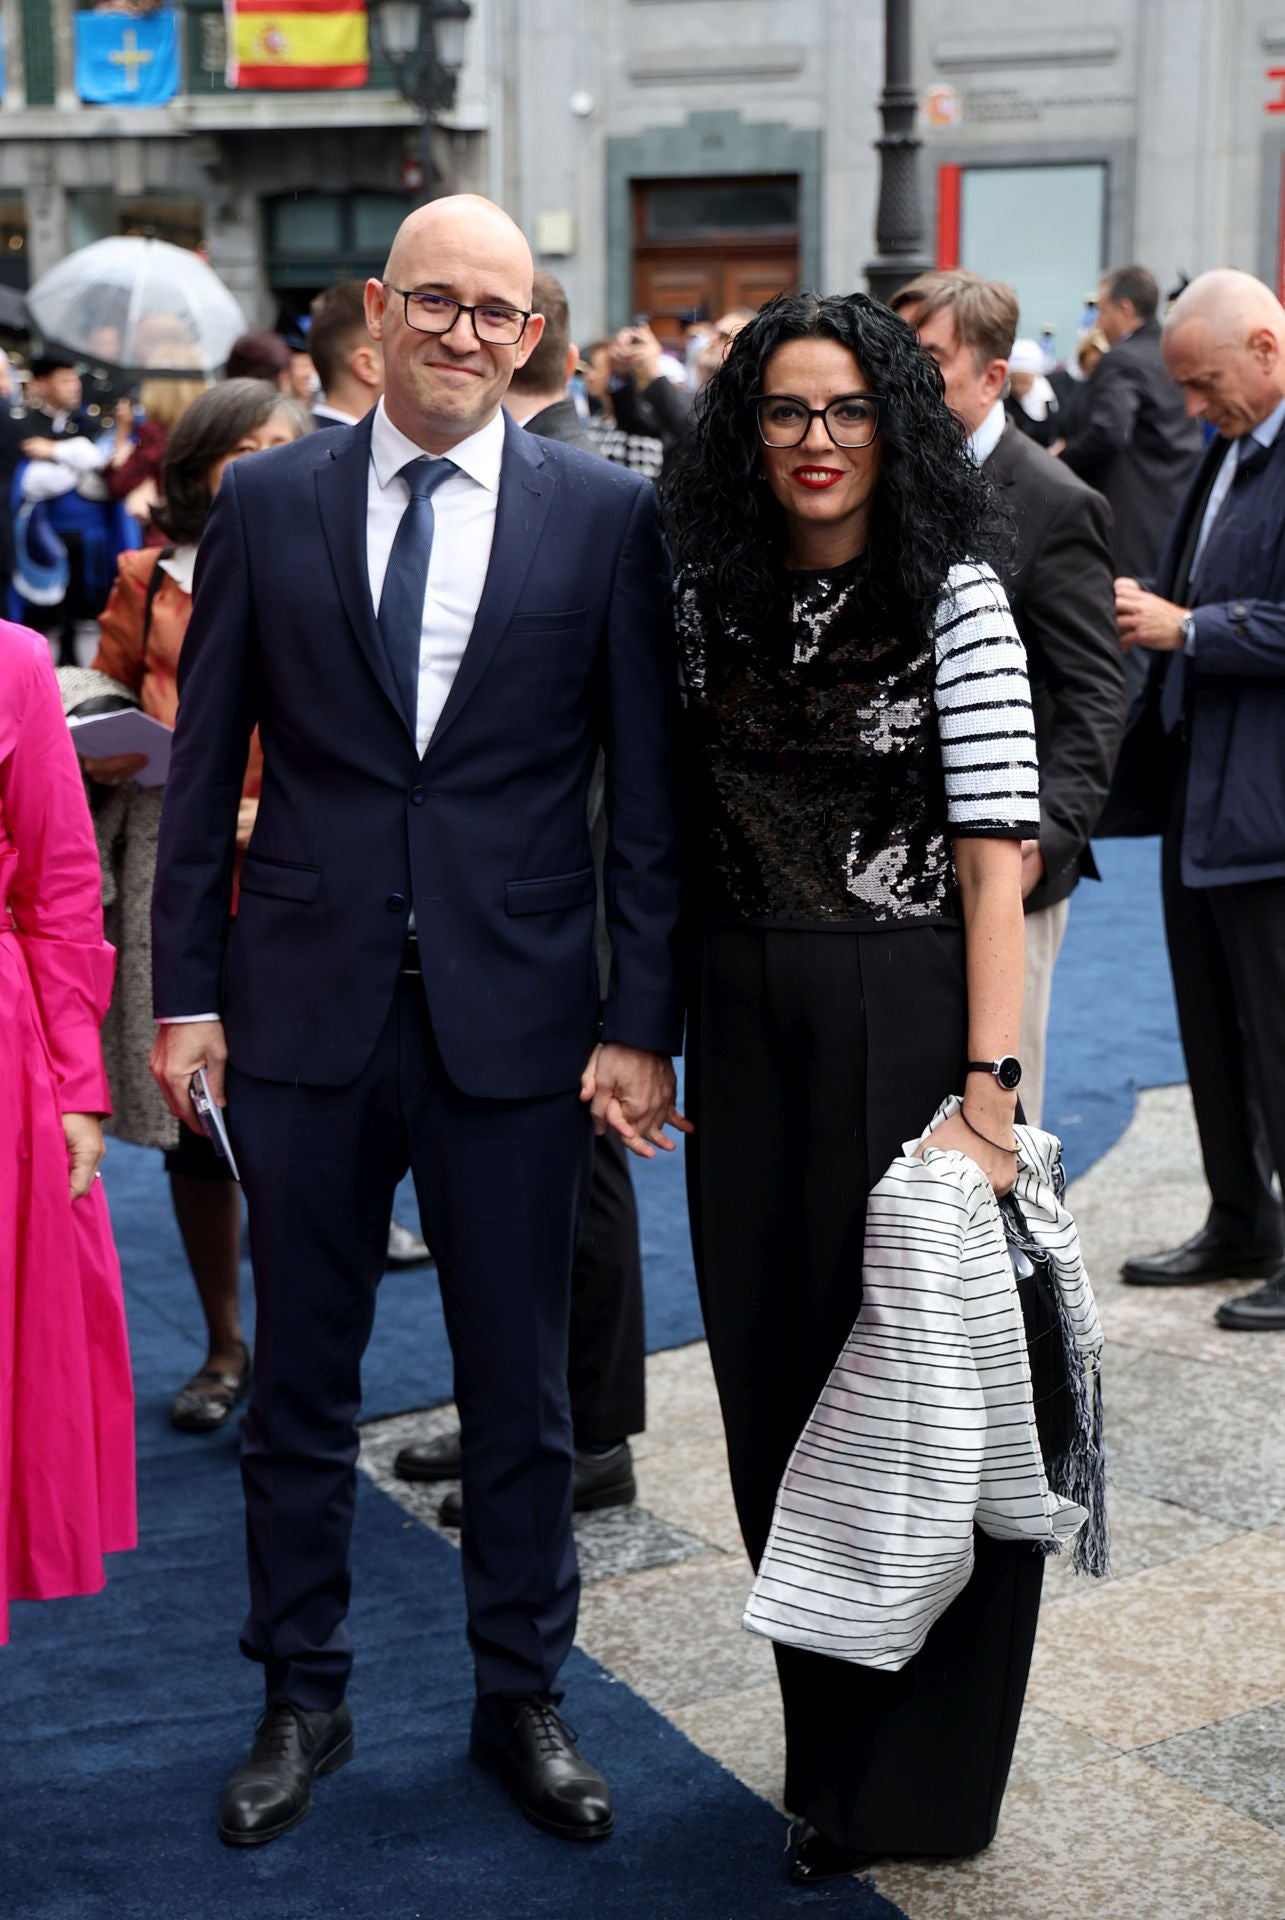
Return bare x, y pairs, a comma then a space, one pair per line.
1007, 1070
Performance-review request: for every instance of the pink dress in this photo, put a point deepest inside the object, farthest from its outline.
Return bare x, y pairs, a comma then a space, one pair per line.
66, 1402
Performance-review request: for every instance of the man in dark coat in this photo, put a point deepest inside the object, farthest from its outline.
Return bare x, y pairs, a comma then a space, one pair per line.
1059, 585
607, 1362
1205, 761
1131, 438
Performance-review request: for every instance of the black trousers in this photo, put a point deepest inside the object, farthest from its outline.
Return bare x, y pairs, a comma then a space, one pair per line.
607, 1364
812, 1058
500, 1185
1227, 956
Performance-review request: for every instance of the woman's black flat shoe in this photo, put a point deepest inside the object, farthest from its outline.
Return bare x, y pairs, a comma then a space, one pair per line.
206, 1402
817, 1859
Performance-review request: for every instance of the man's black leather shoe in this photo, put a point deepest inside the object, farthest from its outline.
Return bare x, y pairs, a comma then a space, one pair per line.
598, 1480
816, 1859
437, 1459
1203, 1257
524, 1741
1262, 1311
272, 1792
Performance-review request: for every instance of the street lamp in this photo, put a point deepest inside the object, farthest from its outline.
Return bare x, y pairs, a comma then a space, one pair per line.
899, 228
424, 40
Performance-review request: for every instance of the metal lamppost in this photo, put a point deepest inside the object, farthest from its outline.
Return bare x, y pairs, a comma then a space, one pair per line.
899, 229
424, 40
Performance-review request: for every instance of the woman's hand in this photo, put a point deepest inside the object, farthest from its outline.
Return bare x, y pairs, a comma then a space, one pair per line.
956, 1136
116, 771
85, 1149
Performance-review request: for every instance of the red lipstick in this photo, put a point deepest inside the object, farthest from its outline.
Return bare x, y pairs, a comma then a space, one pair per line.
816, 478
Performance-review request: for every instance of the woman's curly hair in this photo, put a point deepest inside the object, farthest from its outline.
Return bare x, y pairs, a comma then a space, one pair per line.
932, 508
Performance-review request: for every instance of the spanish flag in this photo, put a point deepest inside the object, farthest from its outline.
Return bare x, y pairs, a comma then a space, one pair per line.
301, 43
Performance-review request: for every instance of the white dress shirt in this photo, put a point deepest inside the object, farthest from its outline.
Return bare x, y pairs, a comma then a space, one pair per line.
463, 530
464, 527
986, 436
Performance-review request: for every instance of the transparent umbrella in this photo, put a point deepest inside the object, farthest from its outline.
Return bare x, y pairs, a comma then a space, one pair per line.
137, 303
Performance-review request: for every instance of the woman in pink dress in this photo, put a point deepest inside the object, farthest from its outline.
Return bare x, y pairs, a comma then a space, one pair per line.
66, 1402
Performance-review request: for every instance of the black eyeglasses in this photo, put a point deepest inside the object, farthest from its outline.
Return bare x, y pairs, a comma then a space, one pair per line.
784, 420
498, 325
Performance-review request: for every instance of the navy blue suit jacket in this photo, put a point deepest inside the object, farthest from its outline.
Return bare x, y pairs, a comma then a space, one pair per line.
1234, 817
485, 836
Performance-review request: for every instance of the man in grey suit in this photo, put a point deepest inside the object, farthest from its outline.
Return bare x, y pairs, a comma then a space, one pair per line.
606, 1369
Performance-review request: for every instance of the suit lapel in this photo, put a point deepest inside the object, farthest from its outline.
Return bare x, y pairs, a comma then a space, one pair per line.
526, 492
342, 485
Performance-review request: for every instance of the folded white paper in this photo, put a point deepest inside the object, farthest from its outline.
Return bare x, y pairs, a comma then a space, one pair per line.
102, 736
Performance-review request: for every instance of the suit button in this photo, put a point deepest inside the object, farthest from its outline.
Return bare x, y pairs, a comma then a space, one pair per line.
396, 903
417, 796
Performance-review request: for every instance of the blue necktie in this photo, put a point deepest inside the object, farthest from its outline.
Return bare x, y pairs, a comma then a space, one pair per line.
401, 604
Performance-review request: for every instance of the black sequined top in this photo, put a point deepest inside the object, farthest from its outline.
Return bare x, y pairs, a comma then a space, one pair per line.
831, 765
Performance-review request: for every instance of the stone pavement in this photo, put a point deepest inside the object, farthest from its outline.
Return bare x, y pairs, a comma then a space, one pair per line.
1149, 1778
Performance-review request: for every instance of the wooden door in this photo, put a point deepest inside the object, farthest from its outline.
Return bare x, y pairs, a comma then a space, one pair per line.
712, 244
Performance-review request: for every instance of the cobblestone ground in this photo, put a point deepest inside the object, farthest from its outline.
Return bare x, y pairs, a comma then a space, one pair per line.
1149, 1779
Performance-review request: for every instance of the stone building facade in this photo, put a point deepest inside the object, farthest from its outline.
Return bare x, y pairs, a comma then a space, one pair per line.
665, 153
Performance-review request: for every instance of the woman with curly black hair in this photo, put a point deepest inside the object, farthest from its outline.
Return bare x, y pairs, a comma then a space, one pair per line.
862, 770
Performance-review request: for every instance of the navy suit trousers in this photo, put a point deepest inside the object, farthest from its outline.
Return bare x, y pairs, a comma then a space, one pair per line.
500, 1185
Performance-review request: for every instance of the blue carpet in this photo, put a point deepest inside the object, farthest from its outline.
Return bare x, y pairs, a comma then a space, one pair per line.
126, 1710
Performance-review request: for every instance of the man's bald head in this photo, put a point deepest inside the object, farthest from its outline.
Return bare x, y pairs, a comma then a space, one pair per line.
1224, 345
443, 384
466, 219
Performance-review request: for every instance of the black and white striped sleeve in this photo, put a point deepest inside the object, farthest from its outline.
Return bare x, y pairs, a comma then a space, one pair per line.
984, 710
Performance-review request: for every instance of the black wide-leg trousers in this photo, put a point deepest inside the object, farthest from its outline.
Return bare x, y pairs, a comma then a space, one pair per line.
812, 1057
500, 1186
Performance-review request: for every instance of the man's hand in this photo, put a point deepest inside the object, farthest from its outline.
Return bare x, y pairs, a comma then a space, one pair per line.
84, 1136
637, 351
633, 1093
246, 815
1146, 620
38, 448
1032, 866
177, 1051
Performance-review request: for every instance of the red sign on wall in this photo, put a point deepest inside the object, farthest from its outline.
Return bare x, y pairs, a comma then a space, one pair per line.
1278, 104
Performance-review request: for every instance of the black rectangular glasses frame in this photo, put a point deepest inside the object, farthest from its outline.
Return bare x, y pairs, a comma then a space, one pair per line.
757, 400
520, 314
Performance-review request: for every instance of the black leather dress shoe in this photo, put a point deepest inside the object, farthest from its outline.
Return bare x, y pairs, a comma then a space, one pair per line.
598, 1480
1203, 1257
272, 1792
524, 1741
1262, 1311
437, 1459
816, 1859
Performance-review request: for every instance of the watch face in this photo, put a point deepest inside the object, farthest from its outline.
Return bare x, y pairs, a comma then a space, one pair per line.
1009, 1072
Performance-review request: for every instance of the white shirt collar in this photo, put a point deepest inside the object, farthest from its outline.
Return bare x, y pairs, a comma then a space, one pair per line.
324, 411
181, 565
984, 439
1266, 431
479, 456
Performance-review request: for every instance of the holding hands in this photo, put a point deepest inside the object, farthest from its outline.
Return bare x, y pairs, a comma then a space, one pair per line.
633, 1093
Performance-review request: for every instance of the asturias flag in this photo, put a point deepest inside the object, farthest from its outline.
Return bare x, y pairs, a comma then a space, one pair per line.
297, 43
127, 59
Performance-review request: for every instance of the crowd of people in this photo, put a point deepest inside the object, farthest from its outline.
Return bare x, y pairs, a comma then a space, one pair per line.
537, 712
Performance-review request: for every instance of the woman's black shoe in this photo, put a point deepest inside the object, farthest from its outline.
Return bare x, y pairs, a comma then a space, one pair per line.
272, 1792
206, 1402
817, 1859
